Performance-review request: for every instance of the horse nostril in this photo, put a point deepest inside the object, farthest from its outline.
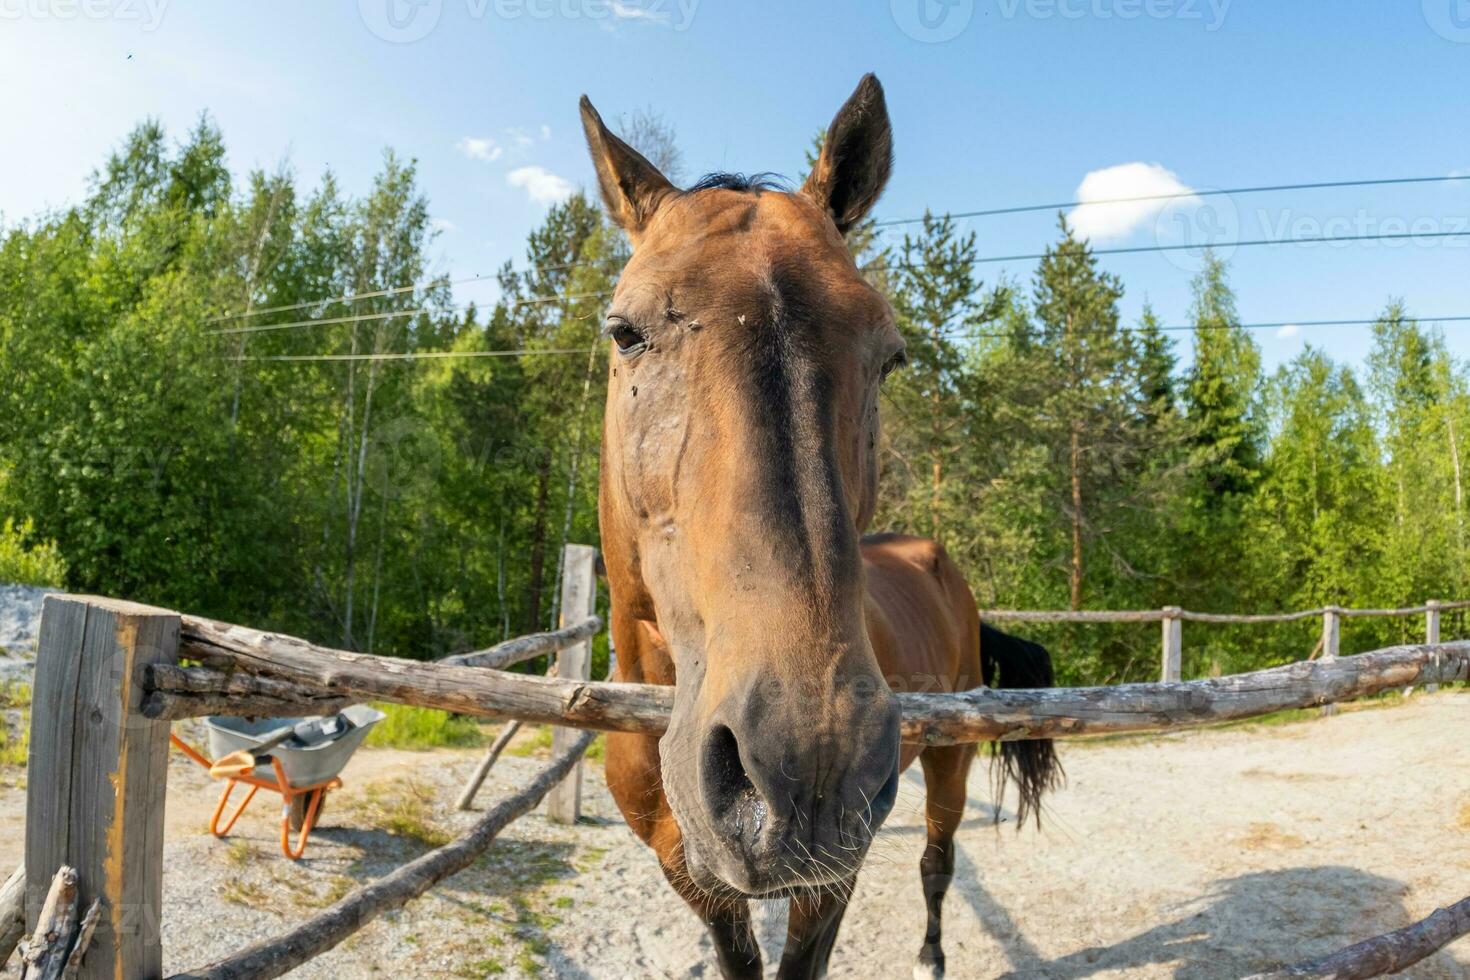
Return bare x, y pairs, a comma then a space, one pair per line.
730, 795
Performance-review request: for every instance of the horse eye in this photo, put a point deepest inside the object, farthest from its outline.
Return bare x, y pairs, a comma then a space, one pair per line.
895, 362
625, 335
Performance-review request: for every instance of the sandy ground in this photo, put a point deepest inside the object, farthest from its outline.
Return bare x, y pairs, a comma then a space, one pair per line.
1202, 855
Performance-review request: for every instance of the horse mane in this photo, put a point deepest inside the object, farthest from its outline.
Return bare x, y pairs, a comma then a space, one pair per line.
754, 183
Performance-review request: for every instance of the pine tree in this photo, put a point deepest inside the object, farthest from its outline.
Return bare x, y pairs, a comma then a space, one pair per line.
939, 304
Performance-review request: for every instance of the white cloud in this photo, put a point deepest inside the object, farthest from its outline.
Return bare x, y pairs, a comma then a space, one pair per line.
480, 148
443, 224
1288, 331
540, 184
1126, 180
625, 10
519, 138
545, 131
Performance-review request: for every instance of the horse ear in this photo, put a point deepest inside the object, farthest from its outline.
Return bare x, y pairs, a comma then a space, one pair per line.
632, 188
856, 158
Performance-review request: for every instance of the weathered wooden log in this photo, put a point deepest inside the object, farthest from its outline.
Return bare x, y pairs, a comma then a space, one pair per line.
524, 648
62, 936
930, 719
12, 912
983, 714
238, 693
466, 690
315, 936
1389, 953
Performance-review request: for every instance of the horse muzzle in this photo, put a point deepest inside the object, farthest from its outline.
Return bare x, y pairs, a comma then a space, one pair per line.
775, 796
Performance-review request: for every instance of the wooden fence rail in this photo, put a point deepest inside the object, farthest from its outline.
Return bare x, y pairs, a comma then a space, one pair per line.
928, 718
1173, 618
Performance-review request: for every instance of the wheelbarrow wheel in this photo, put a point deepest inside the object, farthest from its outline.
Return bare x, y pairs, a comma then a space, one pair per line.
299, 805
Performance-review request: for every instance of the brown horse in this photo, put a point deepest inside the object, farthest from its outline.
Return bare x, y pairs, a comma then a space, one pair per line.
739, 470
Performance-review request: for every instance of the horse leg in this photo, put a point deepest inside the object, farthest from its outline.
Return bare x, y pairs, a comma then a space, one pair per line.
728, 922
632, 768
811, 931
945, 772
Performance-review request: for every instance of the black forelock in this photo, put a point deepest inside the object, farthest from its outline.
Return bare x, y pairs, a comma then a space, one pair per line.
741, 182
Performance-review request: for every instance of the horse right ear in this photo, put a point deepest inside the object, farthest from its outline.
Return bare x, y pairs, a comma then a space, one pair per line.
856, 157
632, 188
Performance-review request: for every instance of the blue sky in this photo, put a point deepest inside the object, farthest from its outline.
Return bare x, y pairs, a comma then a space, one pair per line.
994, 103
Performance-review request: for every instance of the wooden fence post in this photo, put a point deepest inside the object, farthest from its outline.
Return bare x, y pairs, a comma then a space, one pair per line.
578, 601
1173, 644
1431, 631
1331, 643
96, 775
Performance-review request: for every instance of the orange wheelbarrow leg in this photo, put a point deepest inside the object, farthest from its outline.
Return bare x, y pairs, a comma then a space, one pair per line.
224, 797
313, 804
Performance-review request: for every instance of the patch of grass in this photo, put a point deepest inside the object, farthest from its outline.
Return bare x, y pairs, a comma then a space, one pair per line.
402, 808
408, 727
536, 742
480, 969
241, 854
15, 724
245, 893
590, 858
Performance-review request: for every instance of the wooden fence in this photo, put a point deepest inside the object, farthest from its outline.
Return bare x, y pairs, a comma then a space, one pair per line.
111, 676
1173, 619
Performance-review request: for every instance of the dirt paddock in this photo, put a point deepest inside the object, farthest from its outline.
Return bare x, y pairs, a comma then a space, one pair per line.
1199, 855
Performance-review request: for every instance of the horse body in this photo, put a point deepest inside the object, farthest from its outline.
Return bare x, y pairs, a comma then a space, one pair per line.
739, 470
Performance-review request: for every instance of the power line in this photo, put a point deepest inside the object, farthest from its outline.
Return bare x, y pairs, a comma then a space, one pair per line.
1247, 243
983, 260
1262, 189
349, 298
433, 355
1277, 325
990, 212
531, 352
354, 297
359, 317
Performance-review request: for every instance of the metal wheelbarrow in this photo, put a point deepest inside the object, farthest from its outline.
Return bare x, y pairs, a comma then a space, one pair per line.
299, 758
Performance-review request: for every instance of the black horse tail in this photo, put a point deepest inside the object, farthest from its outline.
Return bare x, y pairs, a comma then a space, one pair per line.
1031, 764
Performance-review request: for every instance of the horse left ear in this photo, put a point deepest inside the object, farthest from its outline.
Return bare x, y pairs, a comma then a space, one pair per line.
632, 188
856, 158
